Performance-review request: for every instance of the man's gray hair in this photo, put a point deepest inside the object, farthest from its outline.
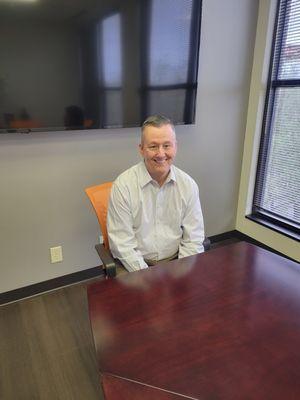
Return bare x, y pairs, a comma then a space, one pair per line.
157, 121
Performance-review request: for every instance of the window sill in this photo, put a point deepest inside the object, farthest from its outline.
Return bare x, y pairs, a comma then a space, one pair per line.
274, 225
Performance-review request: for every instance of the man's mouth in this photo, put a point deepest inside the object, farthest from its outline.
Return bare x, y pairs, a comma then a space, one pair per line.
160, 161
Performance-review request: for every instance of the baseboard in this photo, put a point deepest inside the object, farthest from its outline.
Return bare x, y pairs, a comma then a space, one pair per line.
76, 277
51, 284
246, 238
222, 236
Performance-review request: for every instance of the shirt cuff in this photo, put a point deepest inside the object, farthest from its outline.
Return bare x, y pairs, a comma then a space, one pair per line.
133, 265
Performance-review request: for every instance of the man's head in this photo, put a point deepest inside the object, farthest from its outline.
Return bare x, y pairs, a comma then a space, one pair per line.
158, 146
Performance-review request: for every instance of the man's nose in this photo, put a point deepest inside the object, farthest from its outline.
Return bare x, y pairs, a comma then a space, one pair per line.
161, 151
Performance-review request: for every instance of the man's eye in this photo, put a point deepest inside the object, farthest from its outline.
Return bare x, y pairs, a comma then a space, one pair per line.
167, 146
152, 147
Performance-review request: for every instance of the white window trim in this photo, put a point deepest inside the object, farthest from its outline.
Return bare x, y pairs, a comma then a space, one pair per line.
259, 78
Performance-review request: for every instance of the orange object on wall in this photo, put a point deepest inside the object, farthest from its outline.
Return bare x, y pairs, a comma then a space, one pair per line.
24, 124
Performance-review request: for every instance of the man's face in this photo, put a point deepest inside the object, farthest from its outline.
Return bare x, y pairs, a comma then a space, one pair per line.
158, 149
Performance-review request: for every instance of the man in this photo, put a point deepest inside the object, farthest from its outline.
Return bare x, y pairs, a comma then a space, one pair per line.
154, 211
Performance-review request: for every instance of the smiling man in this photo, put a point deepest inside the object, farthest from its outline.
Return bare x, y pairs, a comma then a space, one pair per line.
154, 211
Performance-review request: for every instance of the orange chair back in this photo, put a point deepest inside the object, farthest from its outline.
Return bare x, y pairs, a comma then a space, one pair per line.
99, 197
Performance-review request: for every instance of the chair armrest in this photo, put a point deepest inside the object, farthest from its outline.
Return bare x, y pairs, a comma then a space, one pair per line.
206, 244
109, 264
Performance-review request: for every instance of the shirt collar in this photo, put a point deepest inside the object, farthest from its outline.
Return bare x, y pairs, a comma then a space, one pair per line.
171, 176
145, 177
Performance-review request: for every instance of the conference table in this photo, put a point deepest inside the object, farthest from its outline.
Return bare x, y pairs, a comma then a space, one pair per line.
224, 324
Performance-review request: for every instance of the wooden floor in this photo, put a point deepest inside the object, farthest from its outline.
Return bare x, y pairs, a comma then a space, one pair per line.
46, 348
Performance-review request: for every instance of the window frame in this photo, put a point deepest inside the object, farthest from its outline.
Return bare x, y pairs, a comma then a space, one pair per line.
262, 217
191, 85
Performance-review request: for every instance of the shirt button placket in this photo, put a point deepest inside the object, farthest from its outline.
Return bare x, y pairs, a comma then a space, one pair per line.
159, 218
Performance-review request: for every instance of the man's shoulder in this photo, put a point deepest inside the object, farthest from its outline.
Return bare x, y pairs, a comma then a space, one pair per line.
129, 176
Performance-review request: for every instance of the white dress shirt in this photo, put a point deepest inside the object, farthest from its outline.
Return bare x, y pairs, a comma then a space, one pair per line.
145, 221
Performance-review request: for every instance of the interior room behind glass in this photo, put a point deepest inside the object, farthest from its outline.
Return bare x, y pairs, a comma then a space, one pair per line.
86, 64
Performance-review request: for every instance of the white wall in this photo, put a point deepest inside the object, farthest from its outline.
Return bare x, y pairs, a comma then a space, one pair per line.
43, 175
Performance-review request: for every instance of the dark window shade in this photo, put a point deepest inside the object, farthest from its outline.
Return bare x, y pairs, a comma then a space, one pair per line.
277, 190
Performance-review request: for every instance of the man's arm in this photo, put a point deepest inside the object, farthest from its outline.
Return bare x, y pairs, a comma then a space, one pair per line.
122, 241
192, 226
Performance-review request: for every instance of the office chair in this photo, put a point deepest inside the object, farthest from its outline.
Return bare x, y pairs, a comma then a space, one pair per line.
206, 244
99, 197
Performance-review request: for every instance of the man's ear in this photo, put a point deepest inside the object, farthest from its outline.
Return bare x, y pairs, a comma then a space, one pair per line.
141, 149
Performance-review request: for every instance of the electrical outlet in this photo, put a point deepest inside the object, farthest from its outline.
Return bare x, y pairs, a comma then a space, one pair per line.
56, 254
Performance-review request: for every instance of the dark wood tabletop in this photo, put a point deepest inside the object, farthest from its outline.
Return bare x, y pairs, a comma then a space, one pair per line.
224, 324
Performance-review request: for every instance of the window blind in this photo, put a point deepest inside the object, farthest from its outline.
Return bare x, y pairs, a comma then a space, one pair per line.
277, 190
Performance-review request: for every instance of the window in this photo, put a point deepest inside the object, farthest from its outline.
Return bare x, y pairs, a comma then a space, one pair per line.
171, 80
110, 70
276, 200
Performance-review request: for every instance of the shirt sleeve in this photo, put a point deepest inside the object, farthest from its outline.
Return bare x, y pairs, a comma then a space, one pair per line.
192, 226
122, 241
